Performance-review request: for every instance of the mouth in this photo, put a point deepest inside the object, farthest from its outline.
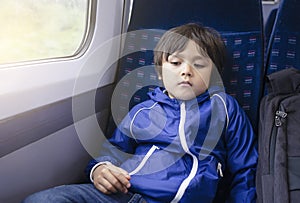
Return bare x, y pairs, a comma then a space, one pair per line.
185, 83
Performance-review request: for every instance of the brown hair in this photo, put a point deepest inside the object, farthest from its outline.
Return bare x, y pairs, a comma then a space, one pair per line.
176, 39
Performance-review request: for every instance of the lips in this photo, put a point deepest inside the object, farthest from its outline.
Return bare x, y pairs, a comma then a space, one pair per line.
185, 83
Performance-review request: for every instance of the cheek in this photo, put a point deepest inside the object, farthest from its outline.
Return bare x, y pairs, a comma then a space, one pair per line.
168, 75
168, 80
204, 76
206, 80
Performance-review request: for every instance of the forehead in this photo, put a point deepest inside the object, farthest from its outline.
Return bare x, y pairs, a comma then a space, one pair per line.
191, 50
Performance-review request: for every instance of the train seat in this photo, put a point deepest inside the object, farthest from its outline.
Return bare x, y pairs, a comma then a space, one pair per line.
240, 24
269, 26
283, 49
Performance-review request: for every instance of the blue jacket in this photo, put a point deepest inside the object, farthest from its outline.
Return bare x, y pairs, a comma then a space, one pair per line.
177, 151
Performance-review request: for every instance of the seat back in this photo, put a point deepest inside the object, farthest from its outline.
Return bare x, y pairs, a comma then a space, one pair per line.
240, 24
269, 25
283, 49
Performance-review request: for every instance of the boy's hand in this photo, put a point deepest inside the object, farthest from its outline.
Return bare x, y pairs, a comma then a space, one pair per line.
109, 179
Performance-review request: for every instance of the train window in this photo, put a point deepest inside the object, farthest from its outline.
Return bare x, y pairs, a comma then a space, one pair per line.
41, 29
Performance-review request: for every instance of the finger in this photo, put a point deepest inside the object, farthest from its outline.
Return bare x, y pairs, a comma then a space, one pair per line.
122, 179
102, 189
104, 177
116, 176
121, 175
114, 179
118, 170
109, 185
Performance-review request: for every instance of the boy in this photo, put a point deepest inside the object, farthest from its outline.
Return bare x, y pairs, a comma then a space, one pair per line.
175, 146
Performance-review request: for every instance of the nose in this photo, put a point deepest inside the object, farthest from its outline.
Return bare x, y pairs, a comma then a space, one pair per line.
187, 70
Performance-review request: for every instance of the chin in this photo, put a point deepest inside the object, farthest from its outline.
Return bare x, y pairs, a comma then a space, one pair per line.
186, 97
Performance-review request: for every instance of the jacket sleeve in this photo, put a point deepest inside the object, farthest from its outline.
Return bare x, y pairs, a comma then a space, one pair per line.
241, 155
116, 149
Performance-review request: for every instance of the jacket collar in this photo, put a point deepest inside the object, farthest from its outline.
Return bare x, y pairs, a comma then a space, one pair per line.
160, 95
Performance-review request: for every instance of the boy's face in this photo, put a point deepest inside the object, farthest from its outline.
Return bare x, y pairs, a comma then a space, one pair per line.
186, 74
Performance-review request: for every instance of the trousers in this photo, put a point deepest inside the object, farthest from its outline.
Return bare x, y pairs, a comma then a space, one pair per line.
81, 193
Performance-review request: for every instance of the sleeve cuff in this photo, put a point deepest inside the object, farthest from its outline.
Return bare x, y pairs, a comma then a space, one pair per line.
94, 167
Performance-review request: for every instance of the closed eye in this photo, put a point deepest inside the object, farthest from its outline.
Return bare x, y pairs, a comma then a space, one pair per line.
175, 63
174, 60
199, 66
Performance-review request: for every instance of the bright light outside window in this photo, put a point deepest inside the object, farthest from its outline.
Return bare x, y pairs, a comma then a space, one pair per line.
41, 29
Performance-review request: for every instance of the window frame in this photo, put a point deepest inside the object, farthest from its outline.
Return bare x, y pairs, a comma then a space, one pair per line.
26, 86
83, 45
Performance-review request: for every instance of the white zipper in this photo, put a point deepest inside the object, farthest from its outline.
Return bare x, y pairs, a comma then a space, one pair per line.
143, 162
185, 147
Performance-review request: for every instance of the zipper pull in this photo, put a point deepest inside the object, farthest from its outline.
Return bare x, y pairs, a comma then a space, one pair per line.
278, 118
156, 147
219, 169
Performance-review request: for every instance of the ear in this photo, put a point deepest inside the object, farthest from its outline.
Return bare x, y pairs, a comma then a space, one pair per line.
158, 73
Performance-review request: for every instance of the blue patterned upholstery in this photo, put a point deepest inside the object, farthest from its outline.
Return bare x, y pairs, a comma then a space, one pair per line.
243, 75
284, 49
240, 24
